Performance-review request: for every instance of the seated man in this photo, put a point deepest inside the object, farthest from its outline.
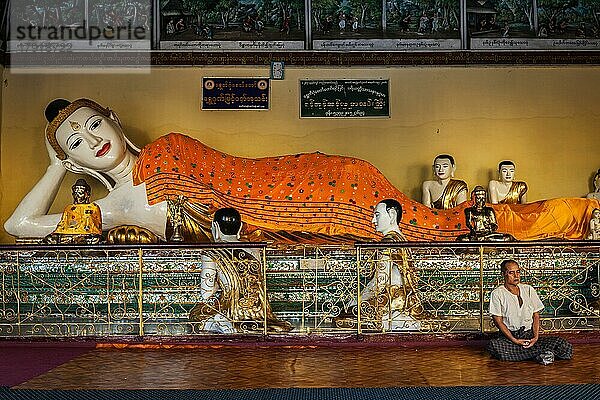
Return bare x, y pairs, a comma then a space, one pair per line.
231, 284
448, 192
515, 309
507, 190
81, 222
481, 220
390, 300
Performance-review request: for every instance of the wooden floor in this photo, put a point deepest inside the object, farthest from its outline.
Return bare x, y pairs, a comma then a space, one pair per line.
246, 367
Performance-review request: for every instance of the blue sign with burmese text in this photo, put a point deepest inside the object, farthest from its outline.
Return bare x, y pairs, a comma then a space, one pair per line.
235, 93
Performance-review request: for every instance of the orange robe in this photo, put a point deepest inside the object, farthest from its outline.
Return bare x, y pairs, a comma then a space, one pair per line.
331, 196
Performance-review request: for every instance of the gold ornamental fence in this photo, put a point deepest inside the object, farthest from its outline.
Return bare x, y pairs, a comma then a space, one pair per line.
369, 288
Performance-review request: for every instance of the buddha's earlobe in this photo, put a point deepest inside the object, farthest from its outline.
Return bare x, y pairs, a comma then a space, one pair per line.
132, 145
114, 117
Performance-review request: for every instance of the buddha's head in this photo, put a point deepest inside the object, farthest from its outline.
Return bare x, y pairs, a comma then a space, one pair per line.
227, 223
506, 169
478, 195
444, 167
87, 137
387, 215
81, 192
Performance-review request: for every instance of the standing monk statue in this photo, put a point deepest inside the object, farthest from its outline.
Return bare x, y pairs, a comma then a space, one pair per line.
390, 300
232, 284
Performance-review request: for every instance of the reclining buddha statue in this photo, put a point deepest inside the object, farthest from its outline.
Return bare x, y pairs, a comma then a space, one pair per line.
310, 198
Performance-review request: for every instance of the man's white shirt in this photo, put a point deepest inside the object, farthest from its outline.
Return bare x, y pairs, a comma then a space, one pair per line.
506, 305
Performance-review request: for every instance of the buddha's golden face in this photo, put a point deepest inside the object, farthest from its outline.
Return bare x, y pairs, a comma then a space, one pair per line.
92, 140
80, 194
479, 198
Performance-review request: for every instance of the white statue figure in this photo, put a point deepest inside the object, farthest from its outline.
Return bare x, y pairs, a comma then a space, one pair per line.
594, 233
507, 190
447, 192
391, 294
83, 137
596, 193
232, 284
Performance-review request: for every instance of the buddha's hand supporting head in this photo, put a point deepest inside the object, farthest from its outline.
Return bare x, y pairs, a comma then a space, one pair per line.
52, 155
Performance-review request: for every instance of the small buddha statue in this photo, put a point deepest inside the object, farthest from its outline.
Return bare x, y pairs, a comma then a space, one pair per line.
447, 192
481, 221
507, 190
596, 193
594, 232
81, 222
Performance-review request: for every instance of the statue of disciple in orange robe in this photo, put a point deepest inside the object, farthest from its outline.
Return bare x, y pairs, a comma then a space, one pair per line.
447, 192
507, 190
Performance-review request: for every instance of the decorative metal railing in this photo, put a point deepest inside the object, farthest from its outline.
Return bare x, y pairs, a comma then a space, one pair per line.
371, 288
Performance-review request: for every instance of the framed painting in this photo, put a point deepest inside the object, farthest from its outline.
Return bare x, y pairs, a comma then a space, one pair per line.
394, 25
250, 25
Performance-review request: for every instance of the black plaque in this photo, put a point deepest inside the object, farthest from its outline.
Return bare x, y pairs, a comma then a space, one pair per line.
235, 93
344, 99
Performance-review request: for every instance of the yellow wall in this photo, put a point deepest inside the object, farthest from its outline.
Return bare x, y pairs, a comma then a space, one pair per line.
1, 153
544, 118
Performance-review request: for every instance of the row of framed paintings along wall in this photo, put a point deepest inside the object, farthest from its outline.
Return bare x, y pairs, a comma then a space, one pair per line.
370, 25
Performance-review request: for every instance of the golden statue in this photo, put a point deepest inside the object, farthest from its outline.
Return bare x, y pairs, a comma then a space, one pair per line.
596, 193
481, 220
81, 222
